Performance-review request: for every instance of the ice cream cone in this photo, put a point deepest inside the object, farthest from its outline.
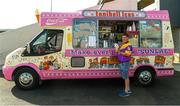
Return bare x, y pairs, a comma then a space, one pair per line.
37, 13
116, 47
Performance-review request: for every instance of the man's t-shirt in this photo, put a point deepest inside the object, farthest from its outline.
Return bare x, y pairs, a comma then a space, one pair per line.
127, 49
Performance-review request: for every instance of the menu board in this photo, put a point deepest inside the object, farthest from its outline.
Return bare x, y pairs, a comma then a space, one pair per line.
85, 30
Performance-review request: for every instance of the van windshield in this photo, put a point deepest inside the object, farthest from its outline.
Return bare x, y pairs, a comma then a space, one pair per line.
48, 41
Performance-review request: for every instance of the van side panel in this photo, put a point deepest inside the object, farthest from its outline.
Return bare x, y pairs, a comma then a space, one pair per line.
97, 61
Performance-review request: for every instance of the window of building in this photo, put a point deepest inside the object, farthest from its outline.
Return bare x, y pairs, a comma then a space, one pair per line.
150, 34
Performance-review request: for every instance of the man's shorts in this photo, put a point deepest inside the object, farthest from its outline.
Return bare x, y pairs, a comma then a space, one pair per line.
124, 67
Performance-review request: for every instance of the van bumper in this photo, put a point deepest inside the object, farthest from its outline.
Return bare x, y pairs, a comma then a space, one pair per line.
7, 72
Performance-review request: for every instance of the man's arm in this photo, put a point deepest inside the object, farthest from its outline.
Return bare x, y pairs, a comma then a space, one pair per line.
128, 52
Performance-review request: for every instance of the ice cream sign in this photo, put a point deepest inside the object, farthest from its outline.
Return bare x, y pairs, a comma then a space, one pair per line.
57, 19
114, 13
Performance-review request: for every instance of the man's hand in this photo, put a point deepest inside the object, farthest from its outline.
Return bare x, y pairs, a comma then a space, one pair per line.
126, 53
122, 53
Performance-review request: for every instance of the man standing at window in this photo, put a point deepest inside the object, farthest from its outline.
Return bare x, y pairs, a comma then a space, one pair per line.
124, 51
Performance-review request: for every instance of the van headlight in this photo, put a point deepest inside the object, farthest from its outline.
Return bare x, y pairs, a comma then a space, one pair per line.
8, 60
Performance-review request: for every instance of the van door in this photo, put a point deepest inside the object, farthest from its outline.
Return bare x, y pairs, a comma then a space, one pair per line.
84, 42
46, 48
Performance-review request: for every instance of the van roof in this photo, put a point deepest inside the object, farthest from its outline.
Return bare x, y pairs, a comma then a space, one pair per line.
65, 19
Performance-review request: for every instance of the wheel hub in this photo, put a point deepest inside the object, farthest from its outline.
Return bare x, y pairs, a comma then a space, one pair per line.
145, 77
26, 79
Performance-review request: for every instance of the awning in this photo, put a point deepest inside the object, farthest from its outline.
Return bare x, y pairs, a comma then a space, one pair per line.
144, 3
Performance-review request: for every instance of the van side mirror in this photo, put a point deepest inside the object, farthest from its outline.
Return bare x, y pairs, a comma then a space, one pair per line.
28, 48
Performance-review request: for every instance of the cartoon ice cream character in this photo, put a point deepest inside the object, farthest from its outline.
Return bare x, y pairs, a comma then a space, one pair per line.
103, 62
56, 65
50, 62
41, 66
139, 61
146, 60
159, 61
91, 63
96, 63
46, 63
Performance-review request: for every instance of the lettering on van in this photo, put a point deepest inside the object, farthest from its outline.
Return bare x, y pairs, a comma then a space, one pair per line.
111, 52
56, 22
152, 52
114, 13
90, 52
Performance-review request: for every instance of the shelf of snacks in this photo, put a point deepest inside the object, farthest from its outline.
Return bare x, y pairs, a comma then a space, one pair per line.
132, 32
104, 31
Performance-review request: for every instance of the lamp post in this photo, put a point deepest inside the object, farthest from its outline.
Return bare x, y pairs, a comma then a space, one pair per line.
51, 5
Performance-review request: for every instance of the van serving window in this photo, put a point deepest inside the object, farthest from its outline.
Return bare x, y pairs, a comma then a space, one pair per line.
150, 34
85, 33
89, 33
111, 31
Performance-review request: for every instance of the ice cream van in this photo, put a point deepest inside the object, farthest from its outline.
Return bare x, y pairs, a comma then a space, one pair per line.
81, 46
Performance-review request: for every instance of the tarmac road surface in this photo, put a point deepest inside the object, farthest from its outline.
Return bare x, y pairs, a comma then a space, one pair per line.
165, 91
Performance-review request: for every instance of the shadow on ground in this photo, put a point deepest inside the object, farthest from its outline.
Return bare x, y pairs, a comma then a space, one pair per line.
101, 92
70, 92
1, 74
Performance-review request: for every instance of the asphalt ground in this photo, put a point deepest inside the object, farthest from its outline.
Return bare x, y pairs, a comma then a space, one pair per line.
165, 91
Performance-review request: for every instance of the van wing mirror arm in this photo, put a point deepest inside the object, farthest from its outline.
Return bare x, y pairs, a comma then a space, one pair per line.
28, 48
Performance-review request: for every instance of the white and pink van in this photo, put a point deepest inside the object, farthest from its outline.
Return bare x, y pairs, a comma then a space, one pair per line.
81, 46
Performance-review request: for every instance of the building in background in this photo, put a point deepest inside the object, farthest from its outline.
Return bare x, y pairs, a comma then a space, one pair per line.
173, 7
115, 5
10, 41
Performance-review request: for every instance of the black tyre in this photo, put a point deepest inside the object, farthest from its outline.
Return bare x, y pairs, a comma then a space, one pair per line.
26, 78
145, 76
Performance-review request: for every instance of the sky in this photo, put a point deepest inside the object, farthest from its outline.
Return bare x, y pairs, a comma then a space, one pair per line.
18, 13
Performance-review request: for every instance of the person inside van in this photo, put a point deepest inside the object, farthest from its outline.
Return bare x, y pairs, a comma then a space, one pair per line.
124, 51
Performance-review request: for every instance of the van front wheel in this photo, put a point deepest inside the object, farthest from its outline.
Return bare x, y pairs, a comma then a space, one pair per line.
144, 77
26, 78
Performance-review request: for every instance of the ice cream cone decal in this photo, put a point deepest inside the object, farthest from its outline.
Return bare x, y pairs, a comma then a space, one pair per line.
37, 13
69, 38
